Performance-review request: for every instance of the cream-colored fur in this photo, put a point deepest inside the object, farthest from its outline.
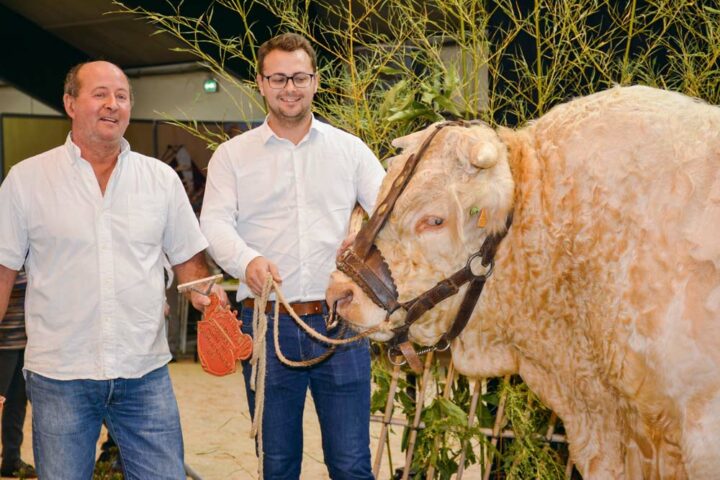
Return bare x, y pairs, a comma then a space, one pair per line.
606, 291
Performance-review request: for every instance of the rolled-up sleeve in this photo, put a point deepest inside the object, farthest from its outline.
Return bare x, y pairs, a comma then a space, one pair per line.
14, 240
218, 218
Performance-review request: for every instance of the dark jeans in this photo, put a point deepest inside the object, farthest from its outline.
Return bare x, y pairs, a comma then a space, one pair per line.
12, 387
340, 387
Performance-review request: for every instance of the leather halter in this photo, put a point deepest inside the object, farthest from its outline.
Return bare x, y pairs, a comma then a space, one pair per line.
365, 265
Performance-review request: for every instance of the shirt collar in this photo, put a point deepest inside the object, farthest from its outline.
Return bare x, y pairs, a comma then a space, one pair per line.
266, 133
74, 151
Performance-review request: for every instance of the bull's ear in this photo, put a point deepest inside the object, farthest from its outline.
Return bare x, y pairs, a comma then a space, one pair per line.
409, 141
471, 149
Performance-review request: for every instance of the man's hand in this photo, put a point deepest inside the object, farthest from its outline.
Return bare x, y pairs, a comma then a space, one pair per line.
200, 301
257, 271
346, 243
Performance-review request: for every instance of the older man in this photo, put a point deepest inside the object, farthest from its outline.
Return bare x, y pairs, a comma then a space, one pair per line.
93, 222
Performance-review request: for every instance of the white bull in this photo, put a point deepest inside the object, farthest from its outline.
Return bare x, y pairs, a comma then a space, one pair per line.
606, 291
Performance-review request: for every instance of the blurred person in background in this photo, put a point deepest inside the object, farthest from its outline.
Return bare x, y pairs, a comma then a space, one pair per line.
12, 383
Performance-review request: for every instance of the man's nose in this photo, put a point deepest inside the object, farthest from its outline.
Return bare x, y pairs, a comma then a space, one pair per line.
111, 102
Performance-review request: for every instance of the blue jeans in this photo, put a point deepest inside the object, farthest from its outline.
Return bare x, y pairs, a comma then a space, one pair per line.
340, 387
141, 414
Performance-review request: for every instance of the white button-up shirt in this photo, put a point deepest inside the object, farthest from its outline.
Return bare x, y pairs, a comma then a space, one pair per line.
266, 196
95, 294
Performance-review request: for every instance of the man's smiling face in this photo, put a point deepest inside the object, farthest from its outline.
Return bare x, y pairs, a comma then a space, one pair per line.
288, 105
100, 112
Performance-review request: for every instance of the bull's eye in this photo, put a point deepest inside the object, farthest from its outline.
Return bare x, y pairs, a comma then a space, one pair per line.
429, 223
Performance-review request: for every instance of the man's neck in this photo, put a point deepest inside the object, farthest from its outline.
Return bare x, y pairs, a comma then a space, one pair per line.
293, 131
102, 157
96, 153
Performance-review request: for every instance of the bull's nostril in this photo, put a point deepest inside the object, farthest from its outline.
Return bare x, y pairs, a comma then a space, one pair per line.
346, 298
340, 295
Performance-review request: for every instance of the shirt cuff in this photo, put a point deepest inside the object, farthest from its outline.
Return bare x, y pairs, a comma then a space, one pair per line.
8, 261
245, 258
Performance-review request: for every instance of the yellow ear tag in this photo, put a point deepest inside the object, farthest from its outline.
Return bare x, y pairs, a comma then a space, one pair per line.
482, 219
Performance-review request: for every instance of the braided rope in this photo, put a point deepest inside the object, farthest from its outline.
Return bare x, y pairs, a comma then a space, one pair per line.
311, 331
259, 370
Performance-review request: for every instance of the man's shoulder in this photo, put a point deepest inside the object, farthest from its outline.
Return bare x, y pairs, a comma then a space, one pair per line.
335, 132
344, 141
31, 164
248, 137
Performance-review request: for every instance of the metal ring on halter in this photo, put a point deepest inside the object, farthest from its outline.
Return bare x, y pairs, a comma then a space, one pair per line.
444, 347
398, 354
489, 268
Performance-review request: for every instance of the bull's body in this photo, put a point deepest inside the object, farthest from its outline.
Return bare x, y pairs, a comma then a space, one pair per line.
606, 291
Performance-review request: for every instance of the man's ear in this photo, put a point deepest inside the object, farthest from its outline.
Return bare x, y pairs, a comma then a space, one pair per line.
69, 103
259, 80
317, 82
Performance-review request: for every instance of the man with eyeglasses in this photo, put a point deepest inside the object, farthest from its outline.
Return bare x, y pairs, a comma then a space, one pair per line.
278, 201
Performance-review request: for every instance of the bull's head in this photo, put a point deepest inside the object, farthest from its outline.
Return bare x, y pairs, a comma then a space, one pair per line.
459, 197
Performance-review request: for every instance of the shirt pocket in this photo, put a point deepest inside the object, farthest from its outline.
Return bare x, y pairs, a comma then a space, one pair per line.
147, 216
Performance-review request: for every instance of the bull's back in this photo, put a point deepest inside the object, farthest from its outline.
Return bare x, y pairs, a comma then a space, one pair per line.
632, 193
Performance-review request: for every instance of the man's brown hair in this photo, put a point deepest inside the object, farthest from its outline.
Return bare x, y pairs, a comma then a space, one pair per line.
287, 42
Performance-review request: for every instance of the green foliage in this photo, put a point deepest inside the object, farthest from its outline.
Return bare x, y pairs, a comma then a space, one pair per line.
388, 67
104, 470
529, 455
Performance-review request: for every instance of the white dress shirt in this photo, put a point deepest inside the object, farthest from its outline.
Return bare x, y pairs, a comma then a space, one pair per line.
95, 294
265, 196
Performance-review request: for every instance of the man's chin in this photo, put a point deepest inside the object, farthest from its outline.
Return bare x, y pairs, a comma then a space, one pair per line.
293, 116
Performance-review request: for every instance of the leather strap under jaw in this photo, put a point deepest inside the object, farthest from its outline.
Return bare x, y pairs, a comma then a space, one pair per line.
411, 356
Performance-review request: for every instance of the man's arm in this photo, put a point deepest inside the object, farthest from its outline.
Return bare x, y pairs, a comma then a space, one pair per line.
218, 219
369, 176
194, 269
7, 280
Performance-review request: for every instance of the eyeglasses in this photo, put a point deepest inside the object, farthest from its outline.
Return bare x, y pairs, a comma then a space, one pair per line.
279, 80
